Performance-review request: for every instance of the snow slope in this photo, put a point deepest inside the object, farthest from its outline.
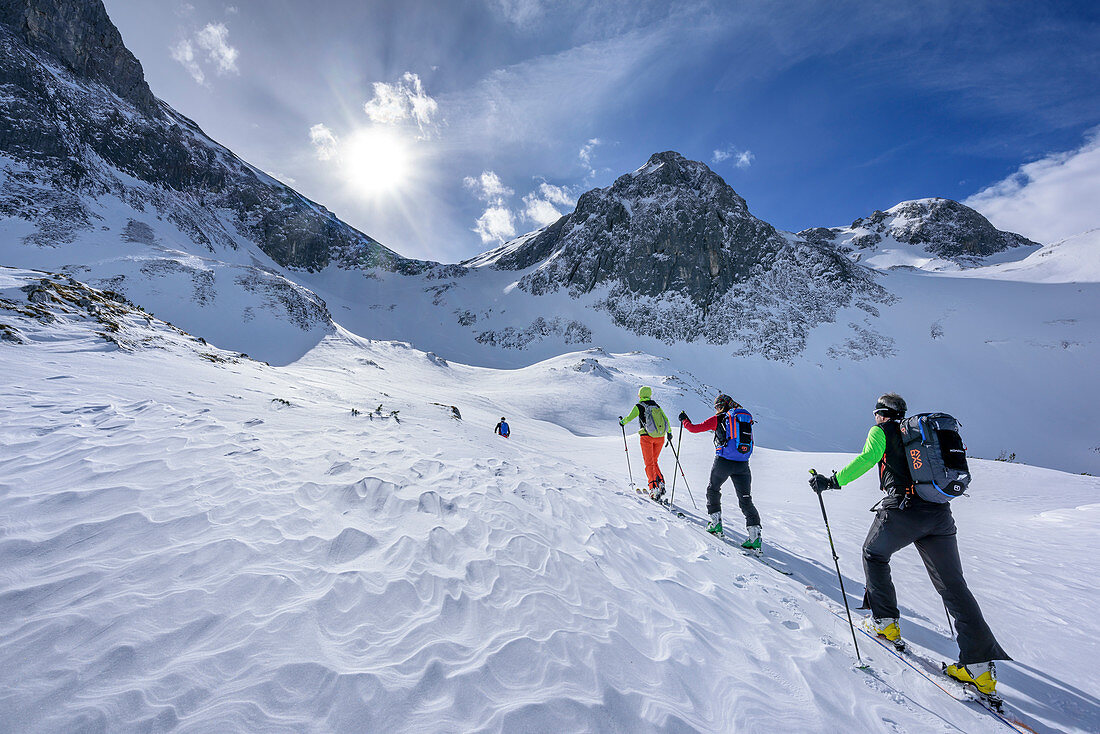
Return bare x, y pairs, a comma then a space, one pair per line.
189, 545
974, 343
1072, 260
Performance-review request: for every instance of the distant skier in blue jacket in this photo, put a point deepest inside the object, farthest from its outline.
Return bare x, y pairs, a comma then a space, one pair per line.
502, 429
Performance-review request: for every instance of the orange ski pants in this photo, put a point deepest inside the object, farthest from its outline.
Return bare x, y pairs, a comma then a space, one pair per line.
651, 449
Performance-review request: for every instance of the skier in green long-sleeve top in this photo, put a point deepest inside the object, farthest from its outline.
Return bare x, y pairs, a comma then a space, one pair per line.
903, 518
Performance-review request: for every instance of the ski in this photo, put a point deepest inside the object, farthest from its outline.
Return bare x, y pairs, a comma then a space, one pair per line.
766, 561
934, 674
756, 555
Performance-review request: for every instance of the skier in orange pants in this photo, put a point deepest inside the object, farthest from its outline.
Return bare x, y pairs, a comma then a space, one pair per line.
652, 433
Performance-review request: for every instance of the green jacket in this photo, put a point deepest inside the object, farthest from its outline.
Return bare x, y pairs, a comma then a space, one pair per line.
873, 450
642, 431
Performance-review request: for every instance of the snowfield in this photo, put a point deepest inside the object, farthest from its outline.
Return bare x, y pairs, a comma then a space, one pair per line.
194, 545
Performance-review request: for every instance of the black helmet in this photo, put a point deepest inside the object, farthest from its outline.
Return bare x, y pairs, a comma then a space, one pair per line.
722, 403
891, 405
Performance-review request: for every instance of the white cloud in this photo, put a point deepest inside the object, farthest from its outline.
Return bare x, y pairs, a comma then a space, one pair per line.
585, 156
324, 141
497, 223
1049, 199
404, 100
488, 187
521, 107
557, 194
232, 10
542, 207
184, 53
586, 151
741, 158
539, 211
214, 39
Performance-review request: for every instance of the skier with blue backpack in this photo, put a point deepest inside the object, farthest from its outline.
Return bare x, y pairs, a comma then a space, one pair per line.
922, 466
732, 426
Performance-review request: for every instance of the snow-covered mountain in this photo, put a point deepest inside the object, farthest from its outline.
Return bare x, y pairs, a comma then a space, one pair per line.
104, 183
101, 179
931, 234
677, 255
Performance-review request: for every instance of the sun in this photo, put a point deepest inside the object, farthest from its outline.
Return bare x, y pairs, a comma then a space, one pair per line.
377, 162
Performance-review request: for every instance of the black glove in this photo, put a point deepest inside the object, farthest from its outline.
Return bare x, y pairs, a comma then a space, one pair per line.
621, 421
669, 437
683, 417
820, 482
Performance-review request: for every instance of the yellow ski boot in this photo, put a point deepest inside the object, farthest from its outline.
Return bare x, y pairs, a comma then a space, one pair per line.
982, 675
887, 628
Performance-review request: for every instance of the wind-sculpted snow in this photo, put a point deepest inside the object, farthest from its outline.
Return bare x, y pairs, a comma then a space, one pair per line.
195, 547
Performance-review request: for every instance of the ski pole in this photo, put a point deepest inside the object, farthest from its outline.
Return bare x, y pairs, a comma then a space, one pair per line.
626, 448
949, 625
680, 466
675, 451
836, 562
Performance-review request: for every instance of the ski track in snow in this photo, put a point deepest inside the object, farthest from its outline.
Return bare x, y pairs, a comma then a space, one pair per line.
180, 553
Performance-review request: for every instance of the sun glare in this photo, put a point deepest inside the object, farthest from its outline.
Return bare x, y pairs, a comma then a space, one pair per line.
377, 162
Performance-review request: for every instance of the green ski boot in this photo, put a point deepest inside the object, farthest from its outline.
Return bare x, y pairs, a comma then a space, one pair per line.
753, 541
715, 524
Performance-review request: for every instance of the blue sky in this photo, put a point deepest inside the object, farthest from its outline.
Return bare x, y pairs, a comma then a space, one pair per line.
440, 128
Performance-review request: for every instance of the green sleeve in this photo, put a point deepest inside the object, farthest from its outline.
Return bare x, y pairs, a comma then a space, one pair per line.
633, 414
873, 451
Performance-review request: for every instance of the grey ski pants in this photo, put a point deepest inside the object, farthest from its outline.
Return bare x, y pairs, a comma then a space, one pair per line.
932, 529
738, 471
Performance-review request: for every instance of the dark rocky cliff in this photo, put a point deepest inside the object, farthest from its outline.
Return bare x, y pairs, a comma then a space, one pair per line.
672, 225
83, 38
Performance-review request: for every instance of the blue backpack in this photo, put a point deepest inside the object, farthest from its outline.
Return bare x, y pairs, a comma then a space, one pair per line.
733, 435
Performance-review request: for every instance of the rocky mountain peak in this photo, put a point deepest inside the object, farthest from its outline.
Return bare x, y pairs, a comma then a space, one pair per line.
672, 251
948, 228
672, 170
942, 227
82, 37
673, 223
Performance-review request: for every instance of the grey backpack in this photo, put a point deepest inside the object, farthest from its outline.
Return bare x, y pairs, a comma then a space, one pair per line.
652, 418
936, 456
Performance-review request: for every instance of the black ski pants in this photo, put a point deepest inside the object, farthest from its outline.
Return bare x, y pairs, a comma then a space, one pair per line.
738, 471
932, 529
